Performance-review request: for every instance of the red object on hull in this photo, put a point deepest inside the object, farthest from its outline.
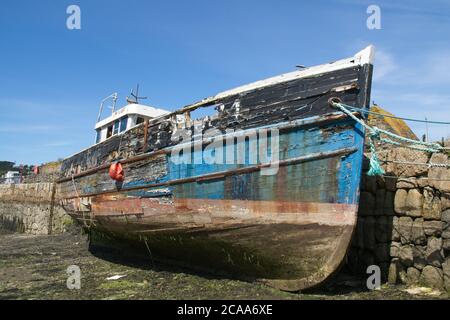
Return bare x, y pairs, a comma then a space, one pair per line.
116, 172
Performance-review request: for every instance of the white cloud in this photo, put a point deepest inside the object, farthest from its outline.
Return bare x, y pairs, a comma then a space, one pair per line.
431, 69
436, 68
384, 64
415, 88
434, 100
56, 144
418, 105
28, 128
17, 103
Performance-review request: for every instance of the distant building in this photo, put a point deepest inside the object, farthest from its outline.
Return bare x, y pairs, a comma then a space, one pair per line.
11, 177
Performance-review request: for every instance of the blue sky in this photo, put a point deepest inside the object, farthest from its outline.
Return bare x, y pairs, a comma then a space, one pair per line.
52, 79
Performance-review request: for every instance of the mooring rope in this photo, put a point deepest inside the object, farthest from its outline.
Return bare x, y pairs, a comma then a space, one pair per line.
394, 117
375, 134
411, 177
429, 164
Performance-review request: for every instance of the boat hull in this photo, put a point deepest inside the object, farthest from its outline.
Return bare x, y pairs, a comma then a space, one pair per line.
287, 222
290, 229
288, 245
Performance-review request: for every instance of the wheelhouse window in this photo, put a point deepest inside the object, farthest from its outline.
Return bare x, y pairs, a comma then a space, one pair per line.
123, 124
109, 132
99, 134
116, 127
139, 120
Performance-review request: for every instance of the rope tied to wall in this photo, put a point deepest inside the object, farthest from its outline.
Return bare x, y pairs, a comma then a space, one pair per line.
375, 166
375, 135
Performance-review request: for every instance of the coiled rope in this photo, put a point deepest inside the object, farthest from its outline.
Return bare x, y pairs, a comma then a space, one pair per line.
375, 134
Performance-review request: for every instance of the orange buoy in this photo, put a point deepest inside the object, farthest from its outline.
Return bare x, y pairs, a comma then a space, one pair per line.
116, 171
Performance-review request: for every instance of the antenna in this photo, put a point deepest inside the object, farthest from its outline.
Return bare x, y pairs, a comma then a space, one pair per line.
114, 98
135, 95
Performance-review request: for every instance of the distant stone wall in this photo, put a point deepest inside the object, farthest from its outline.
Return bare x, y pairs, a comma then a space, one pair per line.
31, 208
404, 221
48, 172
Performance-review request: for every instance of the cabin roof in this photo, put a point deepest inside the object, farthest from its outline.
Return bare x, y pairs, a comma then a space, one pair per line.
133, 108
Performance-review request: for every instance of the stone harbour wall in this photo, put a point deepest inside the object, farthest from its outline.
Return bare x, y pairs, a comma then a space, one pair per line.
404, 221
47, 172
32, 208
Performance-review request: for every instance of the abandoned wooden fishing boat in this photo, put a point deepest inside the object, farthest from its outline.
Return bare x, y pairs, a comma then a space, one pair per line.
266, 188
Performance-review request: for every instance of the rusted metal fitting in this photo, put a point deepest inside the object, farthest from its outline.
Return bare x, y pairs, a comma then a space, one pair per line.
333, 100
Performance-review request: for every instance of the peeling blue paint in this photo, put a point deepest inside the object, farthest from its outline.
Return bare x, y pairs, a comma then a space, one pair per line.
331, 180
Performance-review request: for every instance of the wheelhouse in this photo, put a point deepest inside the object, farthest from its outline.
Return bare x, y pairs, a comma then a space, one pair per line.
124, 119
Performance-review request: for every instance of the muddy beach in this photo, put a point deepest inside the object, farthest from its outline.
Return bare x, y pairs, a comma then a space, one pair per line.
35, 267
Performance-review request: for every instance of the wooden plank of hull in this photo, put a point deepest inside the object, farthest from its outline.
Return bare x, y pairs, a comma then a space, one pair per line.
288, 245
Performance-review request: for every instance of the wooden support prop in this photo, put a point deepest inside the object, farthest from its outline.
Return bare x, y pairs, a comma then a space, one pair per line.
52, 209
